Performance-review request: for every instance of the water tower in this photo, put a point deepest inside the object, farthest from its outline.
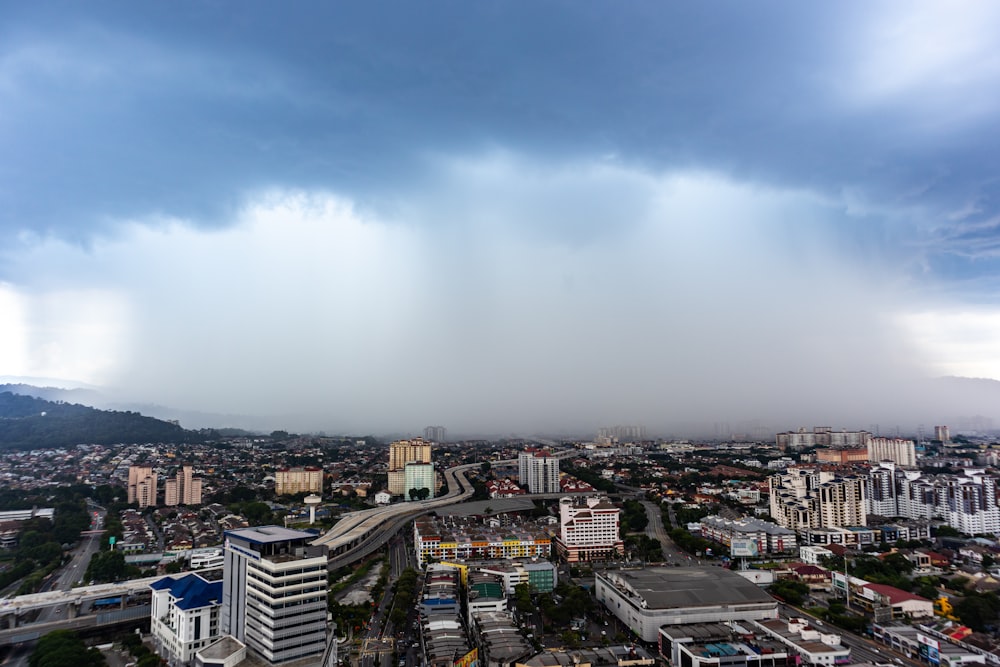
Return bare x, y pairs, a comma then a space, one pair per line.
312, 500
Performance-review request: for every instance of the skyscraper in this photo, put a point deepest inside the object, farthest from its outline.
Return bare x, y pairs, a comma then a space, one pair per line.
274, 592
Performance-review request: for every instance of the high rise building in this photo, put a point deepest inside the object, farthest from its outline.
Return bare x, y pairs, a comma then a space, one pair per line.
898, 450
289, 481
436, 434
588, 529
183, 489
538, 471
942, 433
274, 592
821, 436
882, 491
142, 486
804, 498
402, 452
968, 502
633, 433
417, 476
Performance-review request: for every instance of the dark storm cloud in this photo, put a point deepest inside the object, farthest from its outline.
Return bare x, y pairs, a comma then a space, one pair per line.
183, 109
501, 214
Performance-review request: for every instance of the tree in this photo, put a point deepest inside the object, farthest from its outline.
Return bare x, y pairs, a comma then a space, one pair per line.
63, 648
946, 531
978, 610
793, 592
107, 566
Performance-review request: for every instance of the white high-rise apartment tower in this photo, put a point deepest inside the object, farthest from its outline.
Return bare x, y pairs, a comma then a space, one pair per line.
538, 471
898, 450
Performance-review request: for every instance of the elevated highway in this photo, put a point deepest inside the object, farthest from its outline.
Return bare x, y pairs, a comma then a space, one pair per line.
360, 533
352, 538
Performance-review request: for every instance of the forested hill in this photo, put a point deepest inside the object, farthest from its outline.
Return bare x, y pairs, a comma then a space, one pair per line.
33, 423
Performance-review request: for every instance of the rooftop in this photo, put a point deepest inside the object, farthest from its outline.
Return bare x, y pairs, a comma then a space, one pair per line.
270, 534
680, 587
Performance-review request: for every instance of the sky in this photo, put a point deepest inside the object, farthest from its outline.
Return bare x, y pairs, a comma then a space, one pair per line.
505, 217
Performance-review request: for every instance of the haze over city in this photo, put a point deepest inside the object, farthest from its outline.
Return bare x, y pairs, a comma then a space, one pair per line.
513, 217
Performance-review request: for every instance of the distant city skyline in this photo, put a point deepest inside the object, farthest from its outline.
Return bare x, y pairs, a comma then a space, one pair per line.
559, 217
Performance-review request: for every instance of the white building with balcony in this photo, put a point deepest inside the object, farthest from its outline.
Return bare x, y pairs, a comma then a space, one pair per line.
185, 616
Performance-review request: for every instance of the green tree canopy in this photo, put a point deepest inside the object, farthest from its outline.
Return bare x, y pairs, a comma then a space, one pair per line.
63, 648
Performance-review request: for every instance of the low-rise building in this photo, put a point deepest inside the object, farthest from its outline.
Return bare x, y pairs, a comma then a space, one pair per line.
464, 538
815, 645
719, 645
749, 536
647, 599
813, 555
184, 616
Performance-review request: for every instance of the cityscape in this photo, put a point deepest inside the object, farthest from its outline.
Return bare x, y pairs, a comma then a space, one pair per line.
820, 546
499, 334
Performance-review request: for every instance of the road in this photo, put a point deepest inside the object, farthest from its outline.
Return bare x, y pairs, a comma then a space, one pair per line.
63, 579
862, 649
654, 528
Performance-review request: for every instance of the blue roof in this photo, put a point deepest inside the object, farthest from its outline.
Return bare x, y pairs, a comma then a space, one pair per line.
191, 591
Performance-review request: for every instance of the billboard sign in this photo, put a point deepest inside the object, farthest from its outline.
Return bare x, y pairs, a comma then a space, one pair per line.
743, 548
470, 659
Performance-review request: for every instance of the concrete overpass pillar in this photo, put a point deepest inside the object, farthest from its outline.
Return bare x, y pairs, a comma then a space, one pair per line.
73, 609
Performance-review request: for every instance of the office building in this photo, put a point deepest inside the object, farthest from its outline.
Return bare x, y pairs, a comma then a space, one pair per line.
274, 592
538, 471
290, 481
898, 450
142, 486
185, 616
589, 529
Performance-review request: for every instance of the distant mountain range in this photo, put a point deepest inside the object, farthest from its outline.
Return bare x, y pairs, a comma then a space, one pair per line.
28, 422
93, 397
962, 403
